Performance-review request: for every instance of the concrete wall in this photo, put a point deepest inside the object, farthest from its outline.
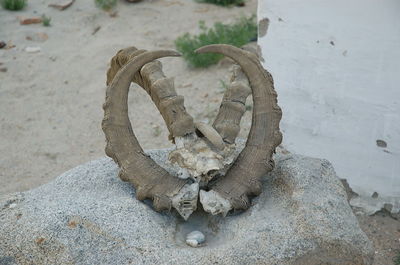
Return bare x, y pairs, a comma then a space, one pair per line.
336, 66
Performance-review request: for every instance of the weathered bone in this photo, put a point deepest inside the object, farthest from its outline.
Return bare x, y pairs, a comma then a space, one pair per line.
214, 203
149, 179
185, 202
244, 176
195, 155
211, 134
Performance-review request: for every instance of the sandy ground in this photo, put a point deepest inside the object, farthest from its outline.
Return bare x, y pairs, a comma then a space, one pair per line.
384, 232
50, 101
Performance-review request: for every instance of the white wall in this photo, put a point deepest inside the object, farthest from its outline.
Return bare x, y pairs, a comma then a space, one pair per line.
336, 66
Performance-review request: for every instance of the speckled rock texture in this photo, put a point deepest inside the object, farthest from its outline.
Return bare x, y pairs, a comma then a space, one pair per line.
89, 216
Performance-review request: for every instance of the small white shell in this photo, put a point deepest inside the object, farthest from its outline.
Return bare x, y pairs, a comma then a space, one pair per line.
195, 238
32, 49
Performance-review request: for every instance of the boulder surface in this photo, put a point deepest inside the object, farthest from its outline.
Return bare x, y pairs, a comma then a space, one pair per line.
89, 216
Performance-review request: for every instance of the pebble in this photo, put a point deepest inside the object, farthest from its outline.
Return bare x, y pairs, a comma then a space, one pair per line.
195, 239
30, 49
28, 21
62, 6
39, 37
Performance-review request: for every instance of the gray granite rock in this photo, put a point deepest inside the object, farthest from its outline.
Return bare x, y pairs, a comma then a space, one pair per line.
89, 216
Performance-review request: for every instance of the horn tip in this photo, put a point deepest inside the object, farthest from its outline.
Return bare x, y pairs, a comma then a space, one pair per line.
178, 54
207, 48
174, 53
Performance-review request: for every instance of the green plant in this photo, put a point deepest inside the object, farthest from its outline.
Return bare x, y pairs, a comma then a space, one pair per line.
396, 259
13, 4
223, 2
46, 21
106, 4
237, 34
223, 86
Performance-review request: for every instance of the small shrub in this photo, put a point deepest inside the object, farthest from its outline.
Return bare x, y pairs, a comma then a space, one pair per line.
223, 2
46, 21
237, 34
396, 259
106, 4
13, 4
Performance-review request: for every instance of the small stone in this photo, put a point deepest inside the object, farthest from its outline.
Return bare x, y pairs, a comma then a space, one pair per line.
62, 6
96, 29
2, 44
12, 205
185, 202
113, 14
213, 203
195, 239
38, 37
32, 20
3, 69
40, 240
381, 143
30, 49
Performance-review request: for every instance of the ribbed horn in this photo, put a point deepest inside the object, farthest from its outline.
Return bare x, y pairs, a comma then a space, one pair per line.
149, 179
244, 176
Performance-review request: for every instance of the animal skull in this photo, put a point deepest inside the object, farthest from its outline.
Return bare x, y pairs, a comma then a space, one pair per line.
209, 168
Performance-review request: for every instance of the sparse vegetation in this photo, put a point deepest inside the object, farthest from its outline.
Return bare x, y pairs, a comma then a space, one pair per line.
396, 259
13, 4
106, 4
223, 2
46, 21
223, 86
237, 34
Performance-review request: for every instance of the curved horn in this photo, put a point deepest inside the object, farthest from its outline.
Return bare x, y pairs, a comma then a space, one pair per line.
149, 179
233, 104
244, 176
161, 90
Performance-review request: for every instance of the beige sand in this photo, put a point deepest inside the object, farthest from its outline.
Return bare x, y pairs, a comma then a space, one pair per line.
50, 101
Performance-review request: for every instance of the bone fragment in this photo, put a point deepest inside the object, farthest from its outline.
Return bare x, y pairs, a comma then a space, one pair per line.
211, 134
185, 202
214, 203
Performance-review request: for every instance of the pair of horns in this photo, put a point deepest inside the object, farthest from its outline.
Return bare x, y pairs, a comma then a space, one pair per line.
152, 181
